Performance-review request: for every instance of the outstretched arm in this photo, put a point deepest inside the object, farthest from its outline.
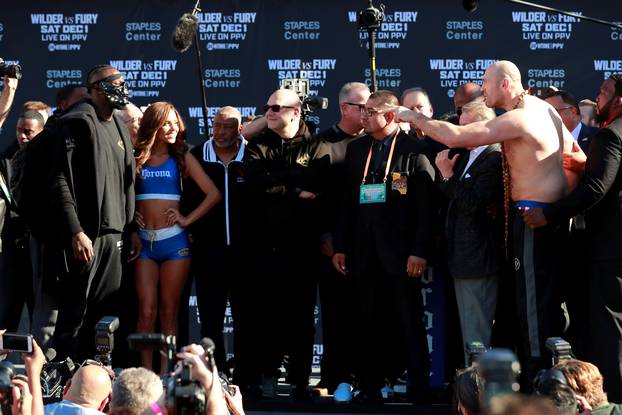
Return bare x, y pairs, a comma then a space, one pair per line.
6, 99
506, 127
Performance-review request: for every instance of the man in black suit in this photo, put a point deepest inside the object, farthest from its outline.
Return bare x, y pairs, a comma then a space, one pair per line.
383, 243
567, 107
474, 186
599, 196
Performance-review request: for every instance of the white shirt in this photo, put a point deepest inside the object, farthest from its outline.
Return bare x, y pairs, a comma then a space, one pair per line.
576, 131
65, 407
473, 154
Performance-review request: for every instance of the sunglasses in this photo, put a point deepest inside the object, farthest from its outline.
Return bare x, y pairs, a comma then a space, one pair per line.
369, 112
275, 107
91, 362
361, 107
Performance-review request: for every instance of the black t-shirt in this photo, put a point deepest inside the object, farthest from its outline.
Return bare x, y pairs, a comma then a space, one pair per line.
112, 165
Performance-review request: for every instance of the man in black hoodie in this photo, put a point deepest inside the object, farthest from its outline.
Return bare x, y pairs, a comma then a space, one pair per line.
283, 183
93, 193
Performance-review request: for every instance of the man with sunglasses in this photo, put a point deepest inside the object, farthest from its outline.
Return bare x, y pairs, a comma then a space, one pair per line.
86, 393
382, 244
335, 291
93, 195
283, 181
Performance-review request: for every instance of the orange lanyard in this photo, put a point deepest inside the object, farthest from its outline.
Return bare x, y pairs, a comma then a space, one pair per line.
388, 168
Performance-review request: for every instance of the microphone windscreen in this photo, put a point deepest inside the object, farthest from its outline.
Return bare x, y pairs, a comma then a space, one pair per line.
470, 5
208, 344
184, 32
50, 354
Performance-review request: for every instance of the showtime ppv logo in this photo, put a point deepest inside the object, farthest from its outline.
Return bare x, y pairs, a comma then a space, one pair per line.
64, 32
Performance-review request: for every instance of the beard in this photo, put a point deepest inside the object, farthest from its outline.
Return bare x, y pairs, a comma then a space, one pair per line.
602, 115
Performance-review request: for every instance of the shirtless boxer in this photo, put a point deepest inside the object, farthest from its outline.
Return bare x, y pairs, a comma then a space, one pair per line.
533, 138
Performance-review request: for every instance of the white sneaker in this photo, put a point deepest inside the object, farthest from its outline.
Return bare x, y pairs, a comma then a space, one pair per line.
343, 393
387, 392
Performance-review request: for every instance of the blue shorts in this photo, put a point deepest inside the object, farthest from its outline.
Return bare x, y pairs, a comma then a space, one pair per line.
164, 244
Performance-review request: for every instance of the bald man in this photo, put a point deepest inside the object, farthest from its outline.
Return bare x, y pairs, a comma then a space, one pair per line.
218, 235
465, 93
132, 115
533, 140
86, 393
283, 181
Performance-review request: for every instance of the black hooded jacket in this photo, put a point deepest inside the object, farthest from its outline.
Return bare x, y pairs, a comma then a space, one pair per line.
79, 171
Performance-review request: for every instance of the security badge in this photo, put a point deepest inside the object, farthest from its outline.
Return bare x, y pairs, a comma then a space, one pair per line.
373, 193
377, 193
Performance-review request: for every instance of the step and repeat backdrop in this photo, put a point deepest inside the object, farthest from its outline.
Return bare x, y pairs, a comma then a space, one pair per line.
249, 46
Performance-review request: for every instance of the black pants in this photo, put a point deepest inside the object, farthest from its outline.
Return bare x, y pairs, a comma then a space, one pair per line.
15, 281
575, 286
337, 302
605, 334
276, 314
391, 334
217, 272
89, 292
537, 263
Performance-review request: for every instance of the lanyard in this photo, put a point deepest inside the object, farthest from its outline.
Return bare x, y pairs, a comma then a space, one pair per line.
388, 168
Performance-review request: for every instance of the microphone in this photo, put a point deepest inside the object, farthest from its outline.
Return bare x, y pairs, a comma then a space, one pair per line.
184, 32
50, 354
470, 5
209, 346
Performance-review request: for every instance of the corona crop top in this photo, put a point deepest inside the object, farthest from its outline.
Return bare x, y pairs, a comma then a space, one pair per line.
159, 182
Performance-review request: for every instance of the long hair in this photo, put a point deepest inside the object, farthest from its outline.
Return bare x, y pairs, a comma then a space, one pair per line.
153, 119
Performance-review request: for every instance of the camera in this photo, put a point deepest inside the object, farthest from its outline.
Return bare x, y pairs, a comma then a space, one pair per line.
104, 339
183, 395
500, 368
371, 18
10, 70
54, 376
310, 103
12, 342
7, 373
559, 348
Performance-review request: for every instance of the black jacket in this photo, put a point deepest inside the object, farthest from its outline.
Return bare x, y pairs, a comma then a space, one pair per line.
277, 171
599, 195
585, 137
333, 144
78, 180
473, 236
225, 224
396, 229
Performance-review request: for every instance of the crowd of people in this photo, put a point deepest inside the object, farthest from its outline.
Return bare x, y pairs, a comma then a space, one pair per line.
108, 211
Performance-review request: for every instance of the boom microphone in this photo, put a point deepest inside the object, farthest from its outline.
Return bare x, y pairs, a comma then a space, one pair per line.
184, 32
50, 354
470, 5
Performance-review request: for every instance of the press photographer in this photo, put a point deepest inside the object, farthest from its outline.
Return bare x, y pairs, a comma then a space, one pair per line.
21, 395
